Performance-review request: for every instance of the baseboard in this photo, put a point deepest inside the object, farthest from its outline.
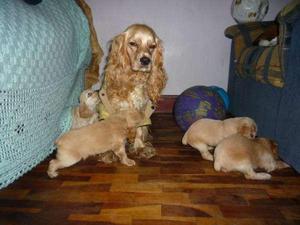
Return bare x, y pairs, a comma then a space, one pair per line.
166, 103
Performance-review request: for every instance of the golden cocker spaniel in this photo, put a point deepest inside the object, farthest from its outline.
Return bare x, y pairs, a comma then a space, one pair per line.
135, 64
135, 72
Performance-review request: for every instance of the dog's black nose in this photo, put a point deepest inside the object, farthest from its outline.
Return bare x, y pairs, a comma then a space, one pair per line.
145, 61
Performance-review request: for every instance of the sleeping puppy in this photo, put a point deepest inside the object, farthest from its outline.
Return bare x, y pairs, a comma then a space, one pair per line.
85, 113
205, 134
238, 153
103, 136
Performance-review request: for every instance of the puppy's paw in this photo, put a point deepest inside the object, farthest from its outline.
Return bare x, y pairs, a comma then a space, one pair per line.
129, 162
267, 176
210, 148
52, 174
258, 176
263, 176
207, 156
52, 169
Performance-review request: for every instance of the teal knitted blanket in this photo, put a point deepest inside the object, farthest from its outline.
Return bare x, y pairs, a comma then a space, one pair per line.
44, 51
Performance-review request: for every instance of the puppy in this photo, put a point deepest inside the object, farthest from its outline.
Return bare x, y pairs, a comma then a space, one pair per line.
85, 113
205, 134
238, 153
103, 136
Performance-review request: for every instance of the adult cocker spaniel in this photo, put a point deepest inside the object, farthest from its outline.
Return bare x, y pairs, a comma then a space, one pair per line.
134, 75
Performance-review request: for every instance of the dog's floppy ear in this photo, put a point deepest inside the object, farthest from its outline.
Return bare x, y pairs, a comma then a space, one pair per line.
84, 111
158, 77
117, 63
117, 53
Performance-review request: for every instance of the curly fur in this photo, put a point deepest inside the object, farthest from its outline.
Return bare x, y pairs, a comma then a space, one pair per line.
121, 79
130, 82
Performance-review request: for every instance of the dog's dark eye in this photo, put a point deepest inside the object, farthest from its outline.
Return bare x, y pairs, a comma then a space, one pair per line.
89, 94
152, 46
133, 44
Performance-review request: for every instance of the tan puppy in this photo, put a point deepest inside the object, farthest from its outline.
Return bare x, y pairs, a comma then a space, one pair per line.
205, 134
85, 113
238, 153
106, 135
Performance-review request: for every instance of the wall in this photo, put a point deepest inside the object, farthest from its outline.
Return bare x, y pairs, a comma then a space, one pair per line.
196, 51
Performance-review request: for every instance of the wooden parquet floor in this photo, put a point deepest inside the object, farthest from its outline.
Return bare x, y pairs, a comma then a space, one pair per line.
176, 187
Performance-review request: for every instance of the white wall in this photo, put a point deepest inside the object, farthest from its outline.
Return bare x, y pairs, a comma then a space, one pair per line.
196, 50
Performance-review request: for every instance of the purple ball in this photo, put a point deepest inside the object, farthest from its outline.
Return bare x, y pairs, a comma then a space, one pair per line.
196, 103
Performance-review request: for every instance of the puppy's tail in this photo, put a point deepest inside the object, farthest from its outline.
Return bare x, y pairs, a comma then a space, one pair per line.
184, 139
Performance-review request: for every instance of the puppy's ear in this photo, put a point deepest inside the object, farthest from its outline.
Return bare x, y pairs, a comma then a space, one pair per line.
84, 111
254, 129
244, 130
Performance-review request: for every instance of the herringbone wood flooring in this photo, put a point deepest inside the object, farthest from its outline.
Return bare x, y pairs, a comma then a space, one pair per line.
175, 187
